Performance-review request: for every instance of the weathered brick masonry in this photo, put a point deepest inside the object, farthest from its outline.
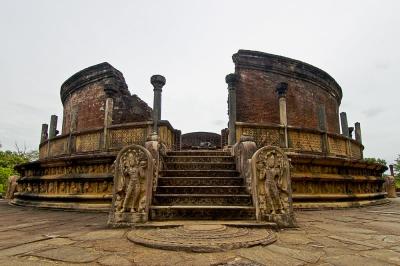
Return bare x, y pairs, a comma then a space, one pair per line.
83, 96
309, 88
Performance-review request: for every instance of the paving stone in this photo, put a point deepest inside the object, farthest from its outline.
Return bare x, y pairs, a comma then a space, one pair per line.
28, 261
20, 226
109, 245
268, 257
69, 254
238, 261
387, 227
352, 260
356, 242
21, 249
58, 241
388, 256
101, 234
296, 239
114, 260
339, 227
362, 236
338, 251
310, 257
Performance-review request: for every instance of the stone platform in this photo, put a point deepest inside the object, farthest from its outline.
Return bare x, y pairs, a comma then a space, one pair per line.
357, 236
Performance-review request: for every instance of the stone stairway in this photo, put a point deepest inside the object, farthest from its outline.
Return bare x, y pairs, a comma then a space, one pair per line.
201, 185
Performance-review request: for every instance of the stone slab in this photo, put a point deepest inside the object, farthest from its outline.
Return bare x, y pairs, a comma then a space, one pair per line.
69, 254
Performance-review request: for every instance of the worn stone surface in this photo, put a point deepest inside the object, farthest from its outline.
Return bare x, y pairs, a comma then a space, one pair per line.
358, 236
202, 237
114, 260
69, 254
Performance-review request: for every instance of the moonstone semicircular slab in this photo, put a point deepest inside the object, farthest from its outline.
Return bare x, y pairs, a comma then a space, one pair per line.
202, 237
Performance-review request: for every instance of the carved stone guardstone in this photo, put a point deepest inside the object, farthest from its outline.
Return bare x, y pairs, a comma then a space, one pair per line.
271, 186
243, 151
11, 187
390, 186
132, 192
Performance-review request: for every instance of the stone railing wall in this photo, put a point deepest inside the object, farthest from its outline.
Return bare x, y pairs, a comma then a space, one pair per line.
301, 140
112, 138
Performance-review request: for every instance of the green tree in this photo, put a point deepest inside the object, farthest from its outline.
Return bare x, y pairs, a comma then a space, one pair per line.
9, 159
396, 169
375, 160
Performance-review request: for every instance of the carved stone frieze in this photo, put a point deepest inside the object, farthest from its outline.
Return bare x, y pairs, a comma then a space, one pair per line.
65, 187
133, 182
271, 186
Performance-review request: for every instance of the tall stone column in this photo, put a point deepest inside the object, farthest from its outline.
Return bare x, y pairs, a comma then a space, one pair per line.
53, 126
357, 129
323, 128
281, 90
231, 80
158, 82
108, 111
344, 124
391, 168
44, 134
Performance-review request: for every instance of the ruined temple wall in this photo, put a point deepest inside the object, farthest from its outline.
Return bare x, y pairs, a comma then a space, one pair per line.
84, 95
311, 92
194, 139
88, 103
257, 101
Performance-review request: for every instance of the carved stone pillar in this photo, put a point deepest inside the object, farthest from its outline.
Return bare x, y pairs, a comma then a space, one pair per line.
53, 126
344, 124
281, 90
231, 80
108, 111
44, 134
357, 130
158, 82
351, 129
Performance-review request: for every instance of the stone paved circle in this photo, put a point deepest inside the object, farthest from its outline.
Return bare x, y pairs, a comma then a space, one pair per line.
202, 237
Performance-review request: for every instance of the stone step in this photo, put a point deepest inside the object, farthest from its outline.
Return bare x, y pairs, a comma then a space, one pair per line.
198, 153
201, 166
178, 212
213, 159
201, 173
202, 199
201, 190
200, 181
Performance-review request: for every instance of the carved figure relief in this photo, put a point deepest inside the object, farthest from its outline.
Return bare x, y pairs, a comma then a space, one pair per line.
271, 186
133, 177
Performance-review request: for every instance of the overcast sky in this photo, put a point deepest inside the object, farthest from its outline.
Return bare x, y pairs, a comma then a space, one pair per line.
191, 43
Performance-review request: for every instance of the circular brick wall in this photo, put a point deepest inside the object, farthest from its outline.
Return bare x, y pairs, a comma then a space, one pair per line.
309, 90
193, 139
84, 94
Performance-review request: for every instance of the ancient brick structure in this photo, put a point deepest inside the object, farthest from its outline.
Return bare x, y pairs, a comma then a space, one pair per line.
310, 89
84, 95
195, 139
280, 110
